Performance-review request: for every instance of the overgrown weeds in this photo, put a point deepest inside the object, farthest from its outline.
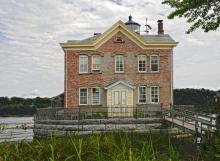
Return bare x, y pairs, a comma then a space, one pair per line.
103, 147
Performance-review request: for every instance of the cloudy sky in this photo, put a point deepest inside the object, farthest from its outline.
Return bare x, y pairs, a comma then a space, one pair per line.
32, 61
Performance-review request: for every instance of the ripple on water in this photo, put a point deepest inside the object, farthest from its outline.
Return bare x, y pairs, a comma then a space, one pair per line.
11, 133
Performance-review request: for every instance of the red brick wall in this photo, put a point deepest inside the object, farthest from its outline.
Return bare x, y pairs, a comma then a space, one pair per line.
107, 52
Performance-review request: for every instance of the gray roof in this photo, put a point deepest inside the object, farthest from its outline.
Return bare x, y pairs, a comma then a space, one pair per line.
157, 38
148, 38
87, 40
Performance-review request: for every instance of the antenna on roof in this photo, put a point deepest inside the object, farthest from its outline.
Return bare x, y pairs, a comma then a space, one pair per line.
147, 28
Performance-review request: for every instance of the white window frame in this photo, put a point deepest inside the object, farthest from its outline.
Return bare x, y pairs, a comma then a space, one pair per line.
154, 63
80, 95
139, 95
99, 96
95, 70
139, 63
83, 56
118, 56
154, 94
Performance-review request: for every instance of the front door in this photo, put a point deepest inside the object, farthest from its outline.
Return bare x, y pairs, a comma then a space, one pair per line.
120, 100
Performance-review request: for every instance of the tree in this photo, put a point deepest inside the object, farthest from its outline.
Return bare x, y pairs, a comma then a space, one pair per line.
4, 100
200, 98
204, 13
216, 111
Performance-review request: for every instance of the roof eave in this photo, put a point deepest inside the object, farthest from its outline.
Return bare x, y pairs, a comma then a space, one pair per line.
91, 46
118, 26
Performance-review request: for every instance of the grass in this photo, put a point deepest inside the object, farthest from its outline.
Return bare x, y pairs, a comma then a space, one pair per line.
104, 147
2, 128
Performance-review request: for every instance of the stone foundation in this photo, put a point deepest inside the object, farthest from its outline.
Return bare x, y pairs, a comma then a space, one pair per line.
62, 128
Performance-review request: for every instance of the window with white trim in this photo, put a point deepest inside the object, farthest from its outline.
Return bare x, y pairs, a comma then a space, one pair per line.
154, 95
119, 64
95, 96
83, 66
96, 63
142, 63
142, 94
83, 96
154, 63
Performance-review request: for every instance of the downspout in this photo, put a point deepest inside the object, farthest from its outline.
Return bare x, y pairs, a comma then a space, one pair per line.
66, 78
171, 83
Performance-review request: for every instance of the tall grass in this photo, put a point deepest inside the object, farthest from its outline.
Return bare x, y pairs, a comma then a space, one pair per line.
104, 147
2, 128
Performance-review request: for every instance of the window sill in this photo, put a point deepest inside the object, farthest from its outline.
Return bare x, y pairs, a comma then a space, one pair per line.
148, 72
148, 104
119, 41
89, 105
90, 73
96, 105
119, 73
156, 72
141, 72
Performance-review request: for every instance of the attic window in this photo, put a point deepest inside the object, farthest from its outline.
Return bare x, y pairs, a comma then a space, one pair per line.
119, 40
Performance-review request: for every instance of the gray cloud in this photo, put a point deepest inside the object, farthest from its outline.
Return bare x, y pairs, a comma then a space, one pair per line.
30, 32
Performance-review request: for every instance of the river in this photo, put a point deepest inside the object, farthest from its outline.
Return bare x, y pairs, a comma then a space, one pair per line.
13, 131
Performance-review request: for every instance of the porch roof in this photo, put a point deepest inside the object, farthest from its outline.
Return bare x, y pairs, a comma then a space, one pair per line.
111, 85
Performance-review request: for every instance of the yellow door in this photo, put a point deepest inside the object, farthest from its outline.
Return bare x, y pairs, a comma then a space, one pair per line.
120, 100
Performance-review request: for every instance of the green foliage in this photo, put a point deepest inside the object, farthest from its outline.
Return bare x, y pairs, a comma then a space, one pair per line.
107, 147
203, 13
200, 98
99, 114
17, 106
216, 110
2, 128
137, 114
210, 150
4, 100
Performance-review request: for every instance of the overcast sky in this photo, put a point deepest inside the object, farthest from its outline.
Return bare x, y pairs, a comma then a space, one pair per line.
32, 61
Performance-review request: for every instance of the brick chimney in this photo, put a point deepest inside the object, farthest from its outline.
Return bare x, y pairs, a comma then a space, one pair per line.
160, 27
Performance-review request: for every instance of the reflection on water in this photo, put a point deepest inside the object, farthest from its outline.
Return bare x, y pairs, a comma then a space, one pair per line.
13, 131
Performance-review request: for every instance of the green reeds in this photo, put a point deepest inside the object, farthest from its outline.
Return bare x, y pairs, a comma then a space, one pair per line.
2, 128
118, 146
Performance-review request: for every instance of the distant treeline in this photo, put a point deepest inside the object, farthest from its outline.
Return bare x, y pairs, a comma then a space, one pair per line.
200, 98
22, 106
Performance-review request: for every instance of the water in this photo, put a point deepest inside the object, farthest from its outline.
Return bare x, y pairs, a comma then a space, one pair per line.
13, 131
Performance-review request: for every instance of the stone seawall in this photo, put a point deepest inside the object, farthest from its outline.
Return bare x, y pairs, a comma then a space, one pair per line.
62, 128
